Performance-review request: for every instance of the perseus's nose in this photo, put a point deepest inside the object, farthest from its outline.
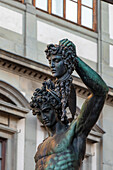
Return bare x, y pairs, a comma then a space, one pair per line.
52, 64
43, 116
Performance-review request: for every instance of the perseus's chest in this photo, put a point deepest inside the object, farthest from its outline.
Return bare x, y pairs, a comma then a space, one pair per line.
52, 145
54, 152
57, 143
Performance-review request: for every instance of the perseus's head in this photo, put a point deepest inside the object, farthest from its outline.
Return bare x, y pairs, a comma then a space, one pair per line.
61, 57
46, 105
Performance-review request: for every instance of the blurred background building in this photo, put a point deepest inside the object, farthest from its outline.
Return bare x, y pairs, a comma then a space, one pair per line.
26, 27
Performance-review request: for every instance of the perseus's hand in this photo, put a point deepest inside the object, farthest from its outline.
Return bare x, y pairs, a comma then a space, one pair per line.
69, 48
67, 43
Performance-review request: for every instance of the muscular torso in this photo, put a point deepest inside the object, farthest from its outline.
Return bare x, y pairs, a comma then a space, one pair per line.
60, 152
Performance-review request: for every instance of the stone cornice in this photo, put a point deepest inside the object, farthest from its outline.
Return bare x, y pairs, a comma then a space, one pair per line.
35, 70
23, 66
19, 112
7, 129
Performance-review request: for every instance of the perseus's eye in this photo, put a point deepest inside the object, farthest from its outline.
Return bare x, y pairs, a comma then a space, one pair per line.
47, 110
57, 60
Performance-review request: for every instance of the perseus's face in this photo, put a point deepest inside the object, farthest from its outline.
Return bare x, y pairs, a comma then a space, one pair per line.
47, 116
58, 68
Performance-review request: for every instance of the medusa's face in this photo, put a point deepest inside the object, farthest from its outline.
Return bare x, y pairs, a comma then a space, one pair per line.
58, 68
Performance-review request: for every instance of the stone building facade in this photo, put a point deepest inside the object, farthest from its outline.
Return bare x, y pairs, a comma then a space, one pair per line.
24, 33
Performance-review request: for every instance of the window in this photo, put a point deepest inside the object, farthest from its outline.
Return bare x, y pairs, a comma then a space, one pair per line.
2, 153
42, 4
57, 7
81, 12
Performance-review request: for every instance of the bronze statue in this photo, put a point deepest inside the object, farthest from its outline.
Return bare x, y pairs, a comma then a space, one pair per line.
62, 63
64, 149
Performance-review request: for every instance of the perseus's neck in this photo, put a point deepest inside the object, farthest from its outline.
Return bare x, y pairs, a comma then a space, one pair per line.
58, 128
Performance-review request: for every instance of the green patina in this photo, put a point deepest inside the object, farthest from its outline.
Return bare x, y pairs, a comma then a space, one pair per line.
64, 149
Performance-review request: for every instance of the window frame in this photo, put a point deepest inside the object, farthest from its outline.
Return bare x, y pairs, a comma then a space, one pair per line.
2, 158
94, 21
21, 1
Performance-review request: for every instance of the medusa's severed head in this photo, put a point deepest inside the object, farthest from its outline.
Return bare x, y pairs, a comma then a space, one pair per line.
46, 104
62, 60
61, 57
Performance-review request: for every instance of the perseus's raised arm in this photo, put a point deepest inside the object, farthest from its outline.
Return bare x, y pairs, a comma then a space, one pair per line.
93, 105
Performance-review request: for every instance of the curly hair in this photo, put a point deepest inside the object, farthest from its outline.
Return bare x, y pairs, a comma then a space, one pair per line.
46, 95
67, 50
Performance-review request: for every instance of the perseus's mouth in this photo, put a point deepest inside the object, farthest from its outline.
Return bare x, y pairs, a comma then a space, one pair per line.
53, 71
46, 121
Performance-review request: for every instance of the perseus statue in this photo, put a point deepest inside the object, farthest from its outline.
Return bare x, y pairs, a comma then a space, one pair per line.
64, 149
